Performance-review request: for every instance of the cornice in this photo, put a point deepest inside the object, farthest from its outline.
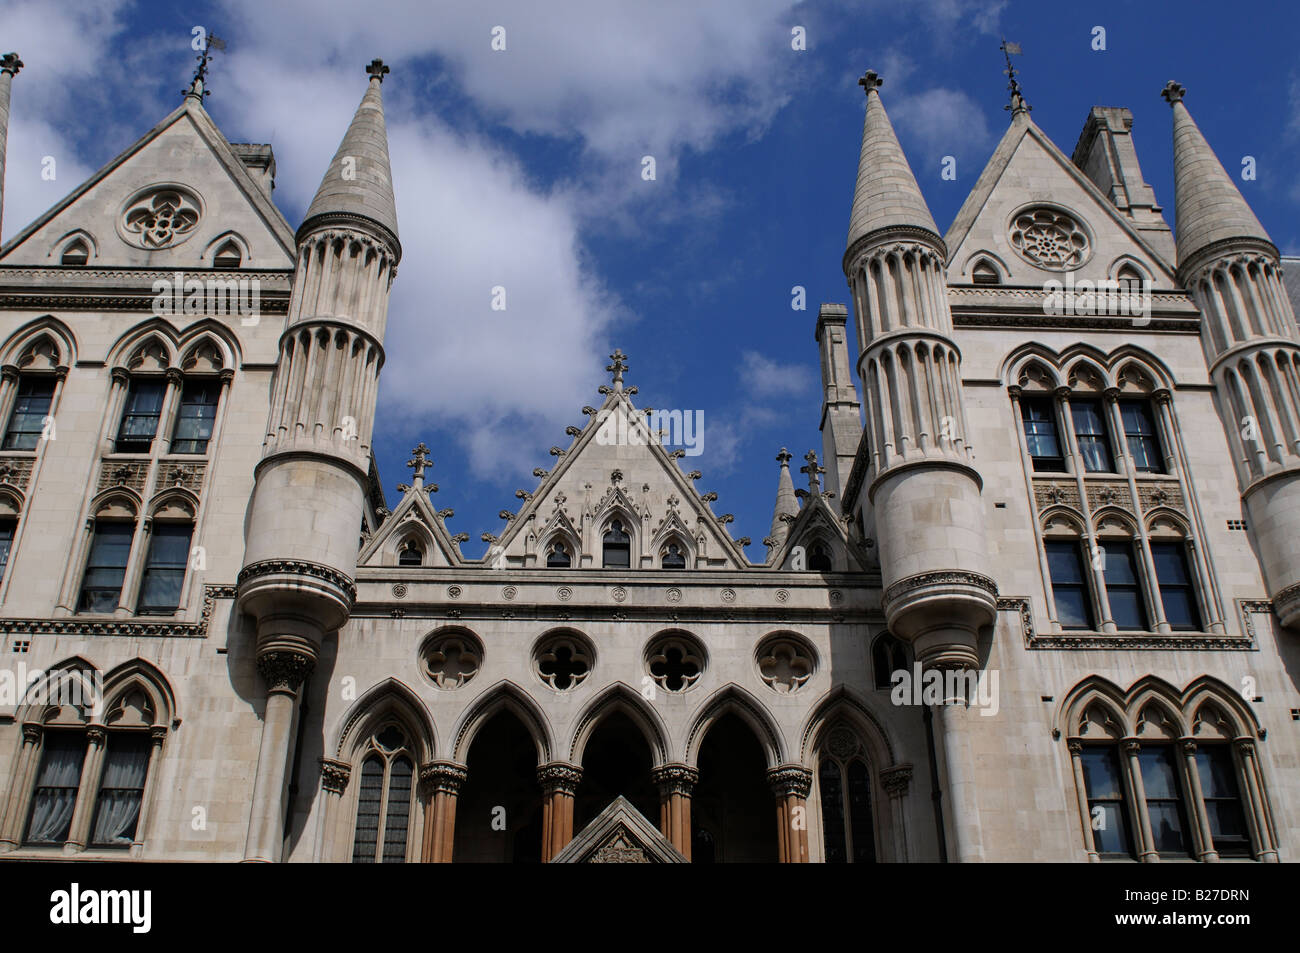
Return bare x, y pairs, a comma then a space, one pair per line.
133, 628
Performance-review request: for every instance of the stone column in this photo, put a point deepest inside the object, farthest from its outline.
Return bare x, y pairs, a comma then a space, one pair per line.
791, 784
896, 780
284, 673
83, 811
19, 800
157, 735
10, 64
559, 781
1146, 840
442, 781
334, 776
1204, 839
1081, 791
952, 724
676, 782
1253, 793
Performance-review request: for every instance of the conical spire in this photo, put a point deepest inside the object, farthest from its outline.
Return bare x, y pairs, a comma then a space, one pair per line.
359, 180
886, 193
1209, 207
786, 503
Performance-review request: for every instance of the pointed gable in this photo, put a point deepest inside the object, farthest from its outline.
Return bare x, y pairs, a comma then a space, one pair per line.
414, 519
1028, 174
187, 155
816, 523
620, 834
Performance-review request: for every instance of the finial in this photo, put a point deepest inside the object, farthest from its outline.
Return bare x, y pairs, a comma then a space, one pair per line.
784, 457
870, 80
377, 70
11, 64
618, 367
1018, 105
1173, 93
419, 462
198, 85
814, 471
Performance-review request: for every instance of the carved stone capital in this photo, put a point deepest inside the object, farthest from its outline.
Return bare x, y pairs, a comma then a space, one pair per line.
9, 372
32, 733
157, 734
443, 777
284, 671
1131, 745
896, 779
790, 779
675, 778
96, 735
1245, 747
1111, 393
1075, 746
120, 375
1188, 745
559, 777
334, 775
174, 375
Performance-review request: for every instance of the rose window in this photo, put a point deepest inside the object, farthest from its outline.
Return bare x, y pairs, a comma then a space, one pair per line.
563, 662
1050, 239
675, 663
161, 218
785, 664
452, 659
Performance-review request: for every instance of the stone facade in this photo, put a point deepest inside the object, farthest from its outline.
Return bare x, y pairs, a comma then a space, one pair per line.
323, 678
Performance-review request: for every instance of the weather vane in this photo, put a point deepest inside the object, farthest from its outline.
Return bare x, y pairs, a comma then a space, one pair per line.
198, 83
1018, 103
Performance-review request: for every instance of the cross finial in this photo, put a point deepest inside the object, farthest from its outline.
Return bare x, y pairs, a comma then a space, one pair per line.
1173, 93
784, 457
618, 367
1018, 105
198, 85
419, 462
870, 80
814, 471
11, 64
377, 70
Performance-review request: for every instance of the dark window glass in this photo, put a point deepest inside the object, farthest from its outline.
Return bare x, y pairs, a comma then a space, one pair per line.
887, 657
832, 792
144, 400
1127, 607
410, 556
194, 418
106, 566
864, 837
558, 557
397, 817
121, 790
164, 570
618, 551
76, 254
673, 557
1164, 799
1107, 809
227, 256
369, 796
1069, 585
1140, 433
1090, 433
819, 558
31, 407
7, 527
1222, 800
1177, 593
57, 782
1041, 434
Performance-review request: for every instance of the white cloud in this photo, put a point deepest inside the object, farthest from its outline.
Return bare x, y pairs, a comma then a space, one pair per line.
763, 377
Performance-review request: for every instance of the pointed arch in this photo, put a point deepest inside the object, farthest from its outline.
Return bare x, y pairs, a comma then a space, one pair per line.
27, 338
507, 695
621, 697
989, 260
1093, 693
391, 699
76, 679
1085, 375
141, 675
174, 502
1032, 367
116, 502
69, 239
843, 703
228, 237
1208, 690
731, 698
209, 332
155, 334
1153, 694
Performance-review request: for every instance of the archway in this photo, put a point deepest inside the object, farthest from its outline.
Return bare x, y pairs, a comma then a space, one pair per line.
616, 760
732, 811
499, 810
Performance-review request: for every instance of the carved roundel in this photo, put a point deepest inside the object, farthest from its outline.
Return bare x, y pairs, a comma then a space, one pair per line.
785, 662
1050, 238
563, 660
675, 661
451, 658
161, 216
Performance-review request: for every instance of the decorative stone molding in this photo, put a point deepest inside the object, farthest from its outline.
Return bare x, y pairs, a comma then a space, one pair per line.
186, 475
16, 472
284, 670
32, 732
559, 777
1050, 238
270, 567
785, 663
675, 778
1163, 493
1143, 642
450, 659
443, 777
132, 474
161, 216
137, 629
1022, 607
943, 578
790, 779
896, 779
334, 775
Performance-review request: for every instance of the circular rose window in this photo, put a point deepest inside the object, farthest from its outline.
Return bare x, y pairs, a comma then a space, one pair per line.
160, 216
1050, 238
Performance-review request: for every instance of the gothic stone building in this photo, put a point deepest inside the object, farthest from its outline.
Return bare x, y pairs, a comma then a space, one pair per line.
1043, 605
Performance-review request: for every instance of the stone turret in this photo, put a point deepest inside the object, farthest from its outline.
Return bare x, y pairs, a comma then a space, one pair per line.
841, 421
301, 547
1248, 331
10, 64
921, 483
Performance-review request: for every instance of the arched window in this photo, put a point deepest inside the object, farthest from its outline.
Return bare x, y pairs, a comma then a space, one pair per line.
195, 415
558, 555
77, 253
227, 256
1129, 279
101, 587
617, 547
984, 273
844, 783
1069, 577
31, 411
384, 799
888, 655
164, 568
410, 554
673, 557
819, 557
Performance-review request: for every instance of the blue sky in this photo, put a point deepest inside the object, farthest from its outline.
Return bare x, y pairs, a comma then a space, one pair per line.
522, 168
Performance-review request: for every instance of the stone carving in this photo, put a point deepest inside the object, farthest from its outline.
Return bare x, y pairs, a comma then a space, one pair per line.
1050, 239
784, 664
619, 851
187, 475
284, 670
269, 567
161, 217
451, 660
334, 775
131, 475
563, 662
675, 663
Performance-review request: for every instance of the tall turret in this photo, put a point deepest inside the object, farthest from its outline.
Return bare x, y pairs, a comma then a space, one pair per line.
10, 64
921, 480
1248, 331
841, 423
307, 506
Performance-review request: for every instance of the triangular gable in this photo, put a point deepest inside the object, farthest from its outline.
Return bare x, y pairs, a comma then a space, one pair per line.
415, 513
636, 477
1027, 168
817, 519
620, 834
185, 149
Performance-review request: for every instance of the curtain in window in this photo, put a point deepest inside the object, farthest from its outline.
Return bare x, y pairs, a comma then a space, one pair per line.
195, 417
164, 574
121, 791
56, 788
1090, 434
